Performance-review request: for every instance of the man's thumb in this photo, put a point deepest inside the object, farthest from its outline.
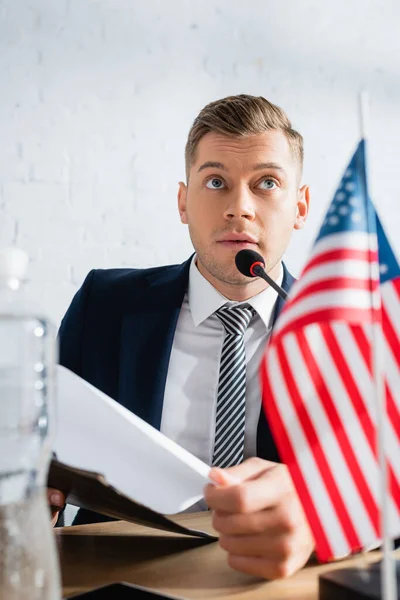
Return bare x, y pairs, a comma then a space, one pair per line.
222, 477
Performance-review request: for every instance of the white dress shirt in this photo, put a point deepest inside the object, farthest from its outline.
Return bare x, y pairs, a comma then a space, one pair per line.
190, 399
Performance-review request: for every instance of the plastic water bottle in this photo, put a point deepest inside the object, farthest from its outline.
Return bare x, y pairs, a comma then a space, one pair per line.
28, 558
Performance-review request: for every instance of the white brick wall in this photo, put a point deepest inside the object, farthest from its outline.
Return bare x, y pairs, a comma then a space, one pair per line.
96, 99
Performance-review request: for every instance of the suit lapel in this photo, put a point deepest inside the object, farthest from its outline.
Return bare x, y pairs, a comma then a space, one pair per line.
287, 282
146, 342
266, 447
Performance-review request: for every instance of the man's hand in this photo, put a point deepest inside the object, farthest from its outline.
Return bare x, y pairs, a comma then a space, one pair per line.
260, 520
56, 500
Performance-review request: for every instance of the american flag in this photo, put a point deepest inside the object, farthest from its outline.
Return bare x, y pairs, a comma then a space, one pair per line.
317, 376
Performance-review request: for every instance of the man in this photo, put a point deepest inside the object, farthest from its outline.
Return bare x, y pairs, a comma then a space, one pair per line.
181, 345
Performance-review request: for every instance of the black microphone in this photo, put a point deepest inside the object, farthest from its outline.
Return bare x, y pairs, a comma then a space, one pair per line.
252, 264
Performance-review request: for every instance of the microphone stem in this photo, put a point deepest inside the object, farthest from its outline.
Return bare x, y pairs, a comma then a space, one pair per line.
259, 271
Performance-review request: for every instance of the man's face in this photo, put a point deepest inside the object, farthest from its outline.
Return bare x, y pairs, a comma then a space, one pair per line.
242, 193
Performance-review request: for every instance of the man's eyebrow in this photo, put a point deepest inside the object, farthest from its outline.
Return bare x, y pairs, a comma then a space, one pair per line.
213, 165
268, 165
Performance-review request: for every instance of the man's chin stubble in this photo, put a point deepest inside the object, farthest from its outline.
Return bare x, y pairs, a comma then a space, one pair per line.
229, 278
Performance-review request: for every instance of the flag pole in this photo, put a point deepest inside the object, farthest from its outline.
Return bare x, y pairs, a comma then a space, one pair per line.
388, 572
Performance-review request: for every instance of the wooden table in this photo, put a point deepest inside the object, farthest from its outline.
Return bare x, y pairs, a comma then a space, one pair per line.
98, 554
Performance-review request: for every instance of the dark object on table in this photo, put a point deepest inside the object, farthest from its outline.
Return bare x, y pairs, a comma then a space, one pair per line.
354, 584
122, 591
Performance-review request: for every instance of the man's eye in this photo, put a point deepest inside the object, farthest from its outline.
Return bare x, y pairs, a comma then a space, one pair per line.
267, 184
215, 184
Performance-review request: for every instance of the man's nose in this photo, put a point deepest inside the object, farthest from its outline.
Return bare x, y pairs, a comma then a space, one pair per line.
240, 204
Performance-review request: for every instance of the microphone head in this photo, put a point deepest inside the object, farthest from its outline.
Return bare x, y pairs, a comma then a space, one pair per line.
245, 261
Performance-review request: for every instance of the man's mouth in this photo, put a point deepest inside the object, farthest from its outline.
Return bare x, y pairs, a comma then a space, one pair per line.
239, 244
237, 240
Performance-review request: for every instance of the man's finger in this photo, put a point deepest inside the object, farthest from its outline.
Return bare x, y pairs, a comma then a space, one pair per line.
264, 492
222, 477
249, 469
55, 498
271, 548
284, 518
260, 567
247, 524
54, 518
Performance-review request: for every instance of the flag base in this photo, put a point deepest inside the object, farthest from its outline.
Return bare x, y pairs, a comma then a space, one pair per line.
354, 584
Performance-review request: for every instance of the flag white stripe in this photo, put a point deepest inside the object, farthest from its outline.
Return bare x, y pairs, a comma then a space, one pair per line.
363, 380
394, 460
351, 240
357, 299
327, 435
354, 269
305, 459
391, 371
357, 366
392, 379
350, 419
348, 415
392, 375
366, 327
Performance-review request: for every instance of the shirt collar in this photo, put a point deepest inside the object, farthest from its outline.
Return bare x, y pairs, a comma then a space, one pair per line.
204, 299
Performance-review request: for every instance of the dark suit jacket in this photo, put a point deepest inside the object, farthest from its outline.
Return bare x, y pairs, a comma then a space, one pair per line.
118, 333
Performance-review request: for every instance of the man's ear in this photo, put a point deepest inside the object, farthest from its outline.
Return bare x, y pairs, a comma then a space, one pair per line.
303, 204
182, 195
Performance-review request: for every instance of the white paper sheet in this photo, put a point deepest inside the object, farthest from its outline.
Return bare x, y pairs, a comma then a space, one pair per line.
95, 433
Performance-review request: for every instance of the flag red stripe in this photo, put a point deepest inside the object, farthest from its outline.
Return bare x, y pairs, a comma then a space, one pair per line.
364, 419
288, 454
394, 485
392, 411
394, 344
396, 287
338, 427
363, 344
341, 254
391, 335
351, 387
336, 313
316, 448
337, 283
393, 417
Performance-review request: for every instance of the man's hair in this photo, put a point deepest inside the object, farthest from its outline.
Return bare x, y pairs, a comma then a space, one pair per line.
241, 116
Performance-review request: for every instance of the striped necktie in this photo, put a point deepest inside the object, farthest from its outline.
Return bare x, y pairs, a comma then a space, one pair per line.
231, 399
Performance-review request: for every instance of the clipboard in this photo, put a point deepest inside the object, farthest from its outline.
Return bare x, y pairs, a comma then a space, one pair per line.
90, 490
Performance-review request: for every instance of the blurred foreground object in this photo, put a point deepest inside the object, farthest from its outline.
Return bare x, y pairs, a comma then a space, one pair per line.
28, 559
